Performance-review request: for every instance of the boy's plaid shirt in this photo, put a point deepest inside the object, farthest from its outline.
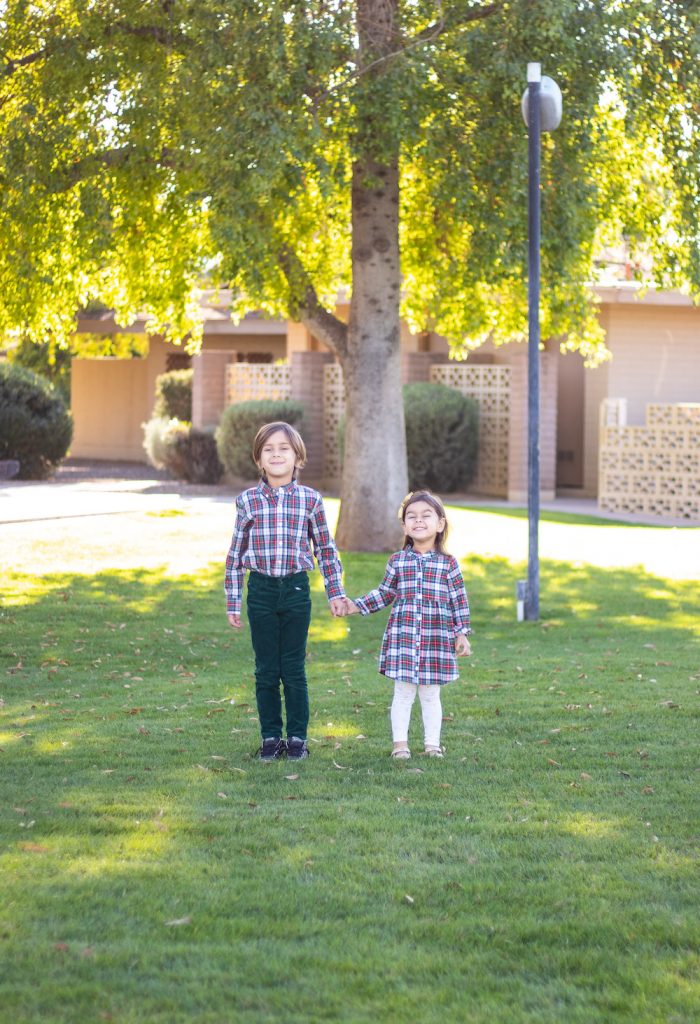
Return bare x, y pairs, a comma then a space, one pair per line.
275, 529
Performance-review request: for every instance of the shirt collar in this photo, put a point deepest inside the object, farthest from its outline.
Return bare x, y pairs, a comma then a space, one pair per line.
420, 554
276, 492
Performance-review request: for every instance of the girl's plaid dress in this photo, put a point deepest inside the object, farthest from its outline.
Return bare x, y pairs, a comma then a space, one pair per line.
430, 609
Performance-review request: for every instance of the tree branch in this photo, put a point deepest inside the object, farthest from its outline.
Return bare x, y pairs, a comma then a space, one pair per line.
427, 35
108, 158
320, 321
448, 22
11, 66
160, 34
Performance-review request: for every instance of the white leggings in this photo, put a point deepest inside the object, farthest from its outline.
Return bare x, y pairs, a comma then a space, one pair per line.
431, 708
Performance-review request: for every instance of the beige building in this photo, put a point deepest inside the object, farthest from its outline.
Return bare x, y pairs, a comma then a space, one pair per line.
654, 339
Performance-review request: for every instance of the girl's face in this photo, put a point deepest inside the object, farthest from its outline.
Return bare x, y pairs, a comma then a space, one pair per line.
277, 459
422, 524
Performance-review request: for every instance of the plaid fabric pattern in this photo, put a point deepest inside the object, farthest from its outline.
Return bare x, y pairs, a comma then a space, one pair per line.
275, 530
430, 608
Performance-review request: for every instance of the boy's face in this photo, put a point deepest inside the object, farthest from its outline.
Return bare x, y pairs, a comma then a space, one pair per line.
277, 459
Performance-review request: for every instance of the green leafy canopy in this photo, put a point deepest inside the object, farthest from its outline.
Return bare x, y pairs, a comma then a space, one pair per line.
146, 147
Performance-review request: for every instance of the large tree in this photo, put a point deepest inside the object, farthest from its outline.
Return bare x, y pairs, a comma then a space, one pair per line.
291, 148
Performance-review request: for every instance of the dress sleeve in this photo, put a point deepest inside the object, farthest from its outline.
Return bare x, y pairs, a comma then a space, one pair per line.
233, 578
385, 593
459, 602
325, 551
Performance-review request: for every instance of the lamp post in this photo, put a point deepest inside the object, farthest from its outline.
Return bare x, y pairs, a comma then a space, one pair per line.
541, 108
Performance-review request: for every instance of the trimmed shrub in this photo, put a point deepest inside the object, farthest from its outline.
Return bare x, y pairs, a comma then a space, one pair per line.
35, 426
240, 423
193, 456
185, 452
174, 396
442, 437
155, 439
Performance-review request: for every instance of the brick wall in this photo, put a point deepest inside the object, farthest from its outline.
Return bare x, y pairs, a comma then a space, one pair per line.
209, 386
307, 388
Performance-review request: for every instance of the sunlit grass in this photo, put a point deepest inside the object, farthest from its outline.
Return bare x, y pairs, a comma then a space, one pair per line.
153, 871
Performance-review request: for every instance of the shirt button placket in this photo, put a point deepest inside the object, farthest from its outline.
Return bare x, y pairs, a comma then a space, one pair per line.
419, 609
279, 539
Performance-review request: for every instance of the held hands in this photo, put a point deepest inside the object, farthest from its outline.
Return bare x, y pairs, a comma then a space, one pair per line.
341, 606
462, 645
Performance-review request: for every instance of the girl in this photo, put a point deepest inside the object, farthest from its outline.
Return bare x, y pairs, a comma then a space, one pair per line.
276, 524
428, 624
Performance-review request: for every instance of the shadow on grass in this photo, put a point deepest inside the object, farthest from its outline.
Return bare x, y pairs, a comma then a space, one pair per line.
149, 860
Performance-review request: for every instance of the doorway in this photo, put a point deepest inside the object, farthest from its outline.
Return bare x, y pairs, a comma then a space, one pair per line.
570, 421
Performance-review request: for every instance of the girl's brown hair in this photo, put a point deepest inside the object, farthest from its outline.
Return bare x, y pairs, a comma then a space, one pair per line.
438, 508
293, 436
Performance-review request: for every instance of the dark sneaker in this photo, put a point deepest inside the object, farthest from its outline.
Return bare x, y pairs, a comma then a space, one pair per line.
296, 749
272, 749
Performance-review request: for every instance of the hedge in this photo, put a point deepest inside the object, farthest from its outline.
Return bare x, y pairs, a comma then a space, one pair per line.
36, 428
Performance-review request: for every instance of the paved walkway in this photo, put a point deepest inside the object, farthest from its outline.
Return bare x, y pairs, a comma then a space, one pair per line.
83, 488
99, 516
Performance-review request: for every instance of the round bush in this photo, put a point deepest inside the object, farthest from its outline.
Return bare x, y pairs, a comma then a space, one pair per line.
174, 396
442, 437
155, 434
240, 423
35, 426
193, 455
185, 452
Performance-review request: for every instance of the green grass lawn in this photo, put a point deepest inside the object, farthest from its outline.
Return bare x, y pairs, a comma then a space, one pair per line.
545, 871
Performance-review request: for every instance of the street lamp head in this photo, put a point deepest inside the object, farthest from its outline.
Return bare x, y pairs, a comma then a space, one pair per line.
550, 103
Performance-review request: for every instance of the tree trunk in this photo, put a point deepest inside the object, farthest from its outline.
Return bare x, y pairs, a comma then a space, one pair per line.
374, 476
374, 468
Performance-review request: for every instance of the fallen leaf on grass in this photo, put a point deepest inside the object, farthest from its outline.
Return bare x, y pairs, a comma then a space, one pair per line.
33, 848
409, 899
178, 922
585, 775
416, 771
668, 704
647, 790
555, 763
224, 796
291, 778
343, 767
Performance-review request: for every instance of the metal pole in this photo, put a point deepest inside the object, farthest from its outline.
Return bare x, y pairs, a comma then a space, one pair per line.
532, 603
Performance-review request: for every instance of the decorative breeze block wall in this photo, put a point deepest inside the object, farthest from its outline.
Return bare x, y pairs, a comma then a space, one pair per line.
253, 381
490, 386
333, 409
653, 469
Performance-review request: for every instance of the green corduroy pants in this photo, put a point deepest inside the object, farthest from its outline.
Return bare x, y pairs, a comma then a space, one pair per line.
279, 613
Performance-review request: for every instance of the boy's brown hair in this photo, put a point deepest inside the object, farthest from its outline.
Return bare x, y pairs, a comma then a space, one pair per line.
293, 436
430, 499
